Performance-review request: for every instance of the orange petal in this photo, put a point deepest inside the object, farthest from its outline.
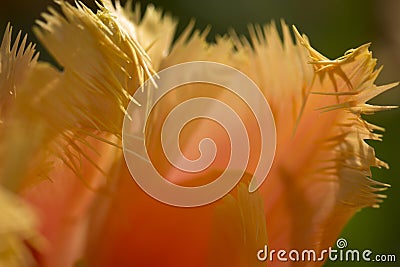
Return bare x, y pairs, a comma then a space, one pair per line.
130, 228
63, 203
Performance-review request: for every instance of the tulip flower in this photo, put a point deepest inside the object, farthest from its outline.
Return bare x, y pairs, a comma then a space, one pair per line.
68, 198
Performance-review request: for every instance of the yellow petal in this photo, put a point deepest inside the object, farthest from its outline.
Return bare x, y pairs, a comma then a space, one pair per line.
18, 229
154, 31
16, 61
321, 174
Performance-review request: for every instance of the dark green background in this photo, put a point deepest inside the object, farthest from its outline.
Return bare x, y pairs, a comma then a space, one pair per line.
333, 27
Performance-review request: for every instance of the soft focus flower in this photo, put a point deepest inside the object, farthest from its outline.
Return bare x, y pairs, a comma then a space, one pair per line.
60, 145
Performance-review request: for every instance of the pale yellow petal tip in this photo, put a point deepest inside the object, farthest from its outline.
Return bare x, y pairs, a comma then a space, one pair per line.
16, 59
300, 38
303, 40
18, 228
